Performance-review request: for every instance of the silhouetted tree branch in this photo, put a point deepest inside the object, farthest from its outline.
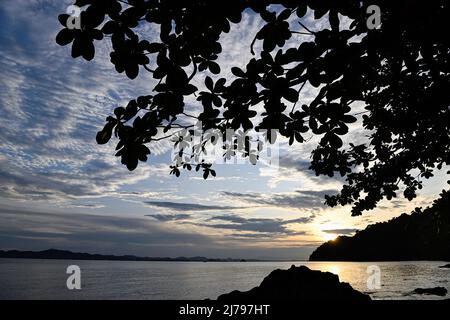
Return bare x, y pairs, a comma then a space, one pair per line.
399, 72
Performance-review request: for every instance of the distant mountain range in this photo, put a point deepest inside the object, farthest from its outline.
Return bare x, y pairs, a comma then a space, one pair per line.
422, 235
68, 255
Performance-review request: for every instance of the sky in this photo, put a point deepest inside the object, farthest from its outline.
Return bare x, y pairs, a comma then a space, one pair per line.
59, 189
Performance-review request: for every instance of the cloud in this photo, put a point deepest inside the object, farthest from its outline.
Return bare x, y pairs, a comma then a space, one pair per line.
300, 199
181, 206
293, 168
94, 178
341, 231
98, 230
28, 229
86, 205
169, 217
52, 106
260, 225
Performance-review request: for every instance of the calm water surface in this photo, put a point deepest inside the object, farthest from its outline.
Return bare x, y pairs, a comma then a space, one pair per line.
46, 279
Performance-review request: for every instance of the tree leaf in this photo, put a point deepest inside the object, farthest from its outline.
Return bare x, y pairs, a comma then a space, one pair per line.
65, 36
209, 83
238, 72
214, 67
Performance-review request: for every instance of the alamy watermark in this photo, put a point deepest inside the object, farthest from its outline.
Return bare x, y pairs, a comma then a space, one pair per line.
74, 20
374, 19
74, 280
374, 280
226, 147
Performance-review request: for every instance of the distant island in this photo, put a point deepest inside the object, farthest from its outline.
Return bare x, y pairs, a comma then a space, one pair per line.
69, 255
422, 235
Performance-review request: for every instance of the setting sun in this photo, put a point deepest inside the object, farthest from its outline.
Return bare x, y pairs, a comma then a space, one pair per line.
329, 236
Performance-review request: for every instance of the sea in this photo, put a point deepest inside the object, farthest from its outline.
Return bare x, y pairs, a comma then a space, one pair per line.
111, 280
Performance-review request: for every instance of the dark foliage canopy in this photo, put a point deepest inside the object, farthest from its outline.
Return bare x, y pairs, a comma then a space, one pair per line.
399, 71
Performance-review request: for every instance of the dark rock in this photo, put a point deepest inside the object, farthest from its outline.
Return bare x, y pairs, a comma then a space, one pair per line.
298, 283
445, 266
438, 291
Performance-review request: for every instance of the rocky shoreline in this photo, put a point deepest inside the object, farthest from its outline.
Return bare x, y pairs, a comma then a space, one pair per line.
298, 284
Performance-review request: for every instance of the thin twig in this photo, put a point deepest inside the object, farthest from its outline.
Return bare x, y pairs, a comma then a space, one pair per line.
299, 90
148, 69
194, 71
306, 28
251, 46
188, 115
304, 33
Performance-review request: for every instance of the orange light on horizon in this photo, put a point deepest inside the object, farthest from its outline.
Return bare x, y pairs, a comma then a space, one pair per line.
329, 236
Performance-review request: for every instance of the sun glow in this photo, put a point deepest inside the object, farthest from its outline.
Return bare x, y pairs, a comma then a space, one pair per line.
329, 236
